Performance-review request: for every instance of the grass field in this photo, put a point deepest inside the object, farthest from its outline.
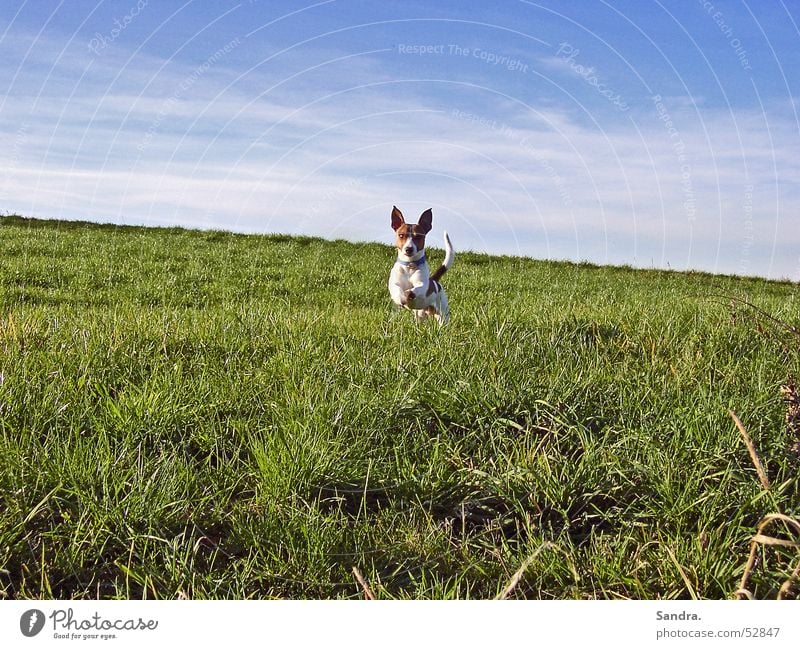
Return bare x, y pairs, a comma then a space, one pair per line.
210, 415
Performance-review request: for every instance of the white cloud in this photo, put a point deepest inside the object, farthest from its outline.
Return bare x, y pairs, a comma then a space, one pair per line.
327, 156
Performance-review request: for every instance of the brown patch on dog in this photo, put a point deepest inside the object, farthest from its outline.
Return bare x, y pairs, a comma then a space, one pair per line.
409, 230
416, 231
426, 221
433, 287
437, 275
397, 218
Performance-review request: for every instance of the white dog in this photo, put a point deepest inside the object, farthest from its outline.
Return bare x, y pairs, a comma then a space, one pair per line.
410, 284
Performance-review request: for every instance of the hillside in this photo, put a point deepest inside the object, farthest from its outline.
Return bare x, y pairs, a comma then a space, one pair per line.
212, 415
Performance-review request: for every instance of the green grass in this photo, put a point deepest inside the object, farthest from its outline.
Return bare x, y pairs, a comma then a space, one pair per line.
210, 415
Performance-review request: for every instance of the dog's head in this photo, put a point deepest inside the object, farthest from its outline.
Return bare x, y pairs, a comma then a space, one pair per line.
410, 237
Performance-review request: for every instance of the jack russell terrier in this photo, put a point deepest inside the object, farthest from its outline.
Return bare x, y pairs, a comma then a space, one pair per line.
411, 284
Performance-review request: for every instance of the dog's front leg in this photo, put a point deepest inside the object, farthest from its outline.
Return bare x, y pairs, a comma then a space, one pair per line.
415, 297
398, 292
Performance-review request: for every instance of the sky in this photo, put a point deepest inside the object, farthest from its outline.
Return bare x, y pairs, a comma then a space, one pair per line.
653, 133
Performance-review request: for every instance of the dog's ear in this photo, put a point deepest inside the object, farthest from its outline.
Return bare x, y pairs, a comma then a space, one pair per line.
426, 221
397, 218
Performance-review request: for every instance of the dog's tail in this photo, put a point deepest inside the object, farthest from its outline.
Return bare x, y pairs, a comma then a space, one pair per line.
449, 256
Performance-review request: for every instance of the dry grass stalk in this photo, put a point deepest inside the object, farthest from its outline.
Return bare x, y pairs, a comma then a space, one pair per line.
368, 594
517, 576
764, 539
762, 475
787, 588
515, 579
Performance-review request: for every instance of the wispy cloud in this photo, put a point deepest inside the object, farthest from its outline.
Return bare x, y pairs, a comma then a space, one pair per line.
327, 149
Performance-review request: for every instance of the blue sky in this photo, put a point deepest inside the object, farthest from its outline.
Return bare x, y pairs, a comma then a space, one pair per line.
651, 133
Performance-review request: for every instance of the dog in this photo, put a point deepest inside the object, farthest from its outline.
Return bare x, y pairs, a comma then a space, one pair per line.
411, 284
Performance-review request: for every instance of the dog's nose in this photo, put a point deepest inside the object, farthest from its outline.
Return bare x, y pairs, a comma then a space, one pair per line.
409, 251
